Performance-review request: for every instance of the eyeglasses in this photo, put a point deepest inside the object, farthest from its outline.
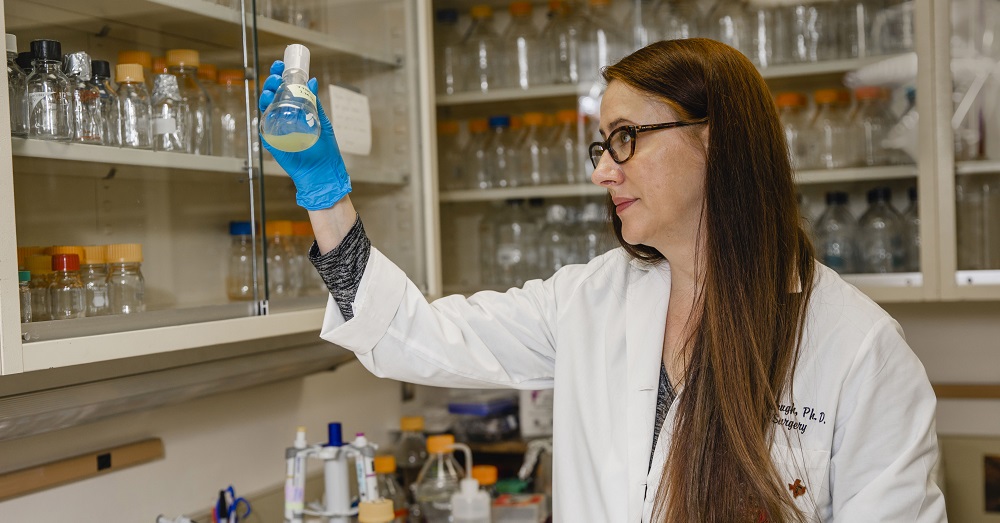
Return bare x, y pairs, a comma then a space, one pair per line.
621, 141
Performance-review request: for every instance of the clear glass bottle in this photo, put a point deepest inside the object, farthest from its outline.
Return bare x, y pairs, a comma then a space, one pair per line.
679, 19
728, 24
231, 123
88, 121
143, 58
66, 289
880, 234
388, 487
595, 233
474, 153
25, 61
763, 25
112, 132
856, 19
813, 31
126, 285
40, 266
450, 164
16, 83
513, 241
641, 18
871, 124
168, 135
24, 293
283, 280
525, 62
605, 43
893, 27
291, 122
793, 112
94, 274
556, 241
564, 39
134, 106
533, 151
830, 143
411, 450
911, 232
196, 104
481, 52
567, 153
835, 235
448, 52
49, 94
500, 155
438, 480
239, 276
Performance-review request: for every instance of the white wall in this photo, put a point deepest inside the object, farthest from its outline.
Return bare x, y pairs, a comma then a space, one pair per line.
235, 438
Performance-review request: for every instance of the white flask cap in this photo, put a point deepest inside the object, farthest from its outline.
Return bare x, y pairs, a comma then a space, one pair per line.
11, 42
297, 57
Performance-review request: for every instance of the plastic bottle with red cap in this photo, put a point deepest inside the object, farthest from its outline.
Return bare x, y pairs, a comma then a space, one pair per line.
66, 290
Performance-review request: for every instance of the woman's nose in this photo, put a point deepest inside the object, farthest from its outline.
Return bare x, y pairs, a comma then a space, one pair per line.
607, 172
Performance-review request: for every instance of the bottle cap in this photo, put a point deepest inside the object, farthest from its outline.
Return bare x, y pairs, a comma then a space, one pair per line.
790, 100
385, 464
557, 6
912, 193
65, 249
440, 444
869, 92
446, 16
378, 511
182, 58
143, 58
23, 276
826, 96
567, 116
208, 72
520, 8
448, 127
499, 121
880, 194
334, 434
93, 255
11, 43
77, 64
65, 262
124, 253
485, 474
278, 228
100, 68
411, 423
480, 12
838, 197
39, 264
297, 57
165, 87
160, 65
24, 252
600, 2
129, 73
534, 119
302, 228
231, 77
516, 122
240, 228
478, 125
49, 50
24, 60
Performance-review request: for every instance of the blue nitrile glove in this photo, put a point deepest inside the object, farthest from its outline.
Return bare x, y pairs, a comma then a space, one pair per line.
319, 174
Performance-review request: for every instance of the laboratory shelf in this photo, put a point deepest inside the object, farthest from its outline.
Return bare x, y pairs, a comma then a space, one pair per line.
81, 350
977, 167
968, 278
358, 175
534, 191
512, 94
855, 174
821, 68
977, 285
891, 287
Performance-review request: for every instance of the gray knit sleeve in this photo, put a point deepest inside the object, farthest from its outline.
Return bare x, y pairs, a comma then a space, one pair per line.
342, 268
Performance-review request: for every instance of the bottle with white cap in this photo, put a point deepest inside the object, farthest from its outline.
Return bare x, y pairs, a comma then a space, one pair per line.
15, 90
291, 123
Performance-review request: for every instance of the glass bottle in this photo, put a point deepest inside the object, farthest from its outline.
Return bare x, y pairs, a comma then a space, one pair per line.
871, 124
450, 164
500, 156
438, 480
411, 450
893, 27
49, 94
448, 52
830, 146
196, 105
481, 51
513, 240
679, 19
300, 269
793, 112
566, 150
388, 487
282, 280
474, 152
911, 233
728, 24
94, 274
291, 122
487, 246
605, 43
167, 113
239, 276
112, 131
134, 106
24, 293
126, 285
26, 62
880, 233
595, 233
525, 62
564, 39
66, 289
857, 17
16, 82
835, 235
88, 121
143, 58
556, 241
40, 266
978, 221
533, 151
813, 31
231, 122
641, 18
762, 26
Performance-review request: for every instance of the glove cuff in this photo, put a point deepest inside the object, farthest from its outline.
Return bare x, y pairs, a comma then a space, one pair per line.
322, 197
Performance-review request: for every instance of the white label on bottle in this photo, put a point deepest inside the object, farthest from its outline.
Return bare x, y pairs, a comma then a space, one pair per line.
164, 125
301, 91
34, 99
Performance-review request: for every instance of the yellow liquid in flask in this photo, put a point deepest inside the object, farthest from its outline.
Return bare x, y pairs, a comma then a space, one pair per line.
292, 142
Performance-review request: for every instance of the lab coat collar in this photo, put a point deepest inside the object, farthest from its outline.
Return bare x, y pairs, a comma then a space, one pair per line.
645, 320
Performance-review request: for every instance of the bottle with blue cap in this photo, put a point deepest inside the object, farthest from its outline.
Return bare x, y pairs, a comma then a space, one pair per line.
501, 158
240, 276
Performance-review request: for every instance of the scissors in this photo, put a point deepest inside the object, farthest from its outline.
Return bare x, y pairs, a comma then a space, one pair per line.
239, 507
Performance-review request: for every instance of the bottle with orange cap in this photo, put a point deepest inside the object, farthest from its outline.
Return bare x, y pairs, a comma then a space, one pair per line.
533, 151
66, 290
482, 52
143, 58
94, 274
40, 266
526, 64
126, 285
564, 38
389, 488
196, 103
411, 450
566, 149
477, 163
135, 107
230, 118
793, 112
487, 476
830, 142
449, 156
284, 276
605, 41
870, 125
438, 480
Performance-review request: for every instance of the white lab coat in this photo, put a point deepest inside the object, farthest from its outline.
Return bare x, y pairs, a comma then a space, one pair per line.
862, 438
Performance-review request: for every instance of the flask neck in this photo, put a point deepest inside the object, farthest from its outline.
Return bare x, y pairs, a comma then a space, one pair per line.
295, 76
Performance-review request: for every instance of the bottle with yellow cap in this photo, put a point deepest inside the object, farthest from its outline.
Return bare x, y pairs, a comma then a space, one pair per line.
438, 480
134, 107
40, 266
388, 487
126, 286
487, 476
482, 52
411, 450
284, 277
196, 103
230, 131
94, 273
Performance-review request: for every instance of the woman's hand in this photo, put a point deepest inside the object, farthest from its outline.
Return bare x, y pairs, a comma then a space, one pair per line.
319, 174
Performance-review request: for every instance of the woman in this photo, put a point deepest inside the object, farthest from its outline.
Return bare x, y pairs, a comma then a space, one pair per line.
710, 369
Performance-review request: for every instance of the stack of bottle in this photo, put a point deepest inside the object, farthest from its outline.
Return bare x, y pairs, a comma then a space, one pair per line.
307, 14
66, 282
290, 274
522, 241
173, 103
978, 221
882, 240
839, 133
576, 40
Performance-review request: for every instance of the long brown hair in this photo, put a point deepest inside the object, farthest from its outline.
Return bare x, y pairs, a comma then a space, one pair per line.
746, 333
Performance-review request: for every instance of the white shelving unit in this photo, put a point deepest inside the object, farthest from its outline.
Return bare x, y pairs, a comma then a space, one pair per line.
856, 174
540, 191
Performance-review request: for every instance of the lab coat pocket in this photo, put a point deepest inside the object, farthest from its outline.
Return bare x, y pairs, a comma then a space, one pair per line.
805, 477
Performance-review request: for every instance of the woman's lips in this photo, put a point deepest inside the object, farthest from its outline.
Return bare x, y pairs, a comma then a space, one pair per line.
622, 203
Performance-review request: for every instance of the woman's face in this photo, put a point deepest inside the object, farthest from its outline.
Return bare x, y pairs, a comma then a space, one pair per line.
659, 192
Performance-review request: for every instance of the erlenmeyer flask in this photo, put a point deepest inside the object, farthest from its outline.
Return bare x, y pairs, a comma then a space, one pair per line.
291, 122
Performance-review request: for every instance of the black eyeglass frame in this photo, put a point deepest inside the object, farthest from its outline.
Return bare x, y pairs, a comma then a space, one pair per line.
633, 131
